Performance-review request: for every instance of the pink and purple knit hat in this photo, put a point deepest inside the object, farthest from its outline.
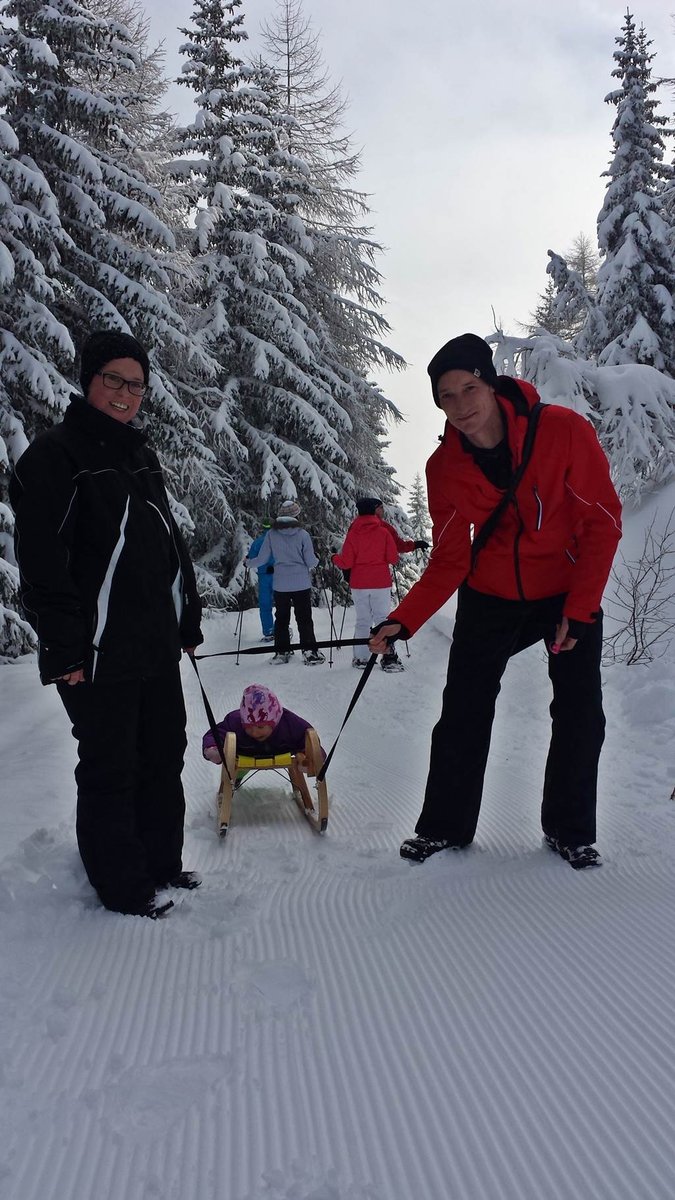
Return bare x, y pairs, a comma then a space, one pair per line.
259, 706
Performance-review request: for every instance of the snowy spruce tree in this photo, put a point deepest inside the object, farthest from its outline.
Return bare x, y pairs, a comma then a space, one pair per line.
118, 266
418, 513
576, 315
343, 286
631, 405
617, 366
318, 110
36, 351
283, 401
564, 307
636, 279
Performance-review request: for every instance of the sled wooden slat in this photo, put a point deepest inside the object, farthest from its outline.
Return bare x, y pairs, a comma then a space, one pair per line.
316, 815
226, 789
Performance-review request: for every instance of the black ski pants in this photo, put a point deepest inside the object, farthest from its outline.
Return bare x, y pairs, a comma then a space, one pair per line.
488, 632
130, 802
301, 603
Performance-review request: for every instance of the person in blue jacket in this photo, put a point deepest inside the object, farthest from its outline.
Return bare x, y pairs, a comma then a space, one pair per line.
265, 585
294, 560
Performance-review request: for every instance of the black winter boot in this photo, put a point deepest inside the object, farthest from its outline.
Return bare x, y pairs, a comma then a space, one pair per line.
419, 849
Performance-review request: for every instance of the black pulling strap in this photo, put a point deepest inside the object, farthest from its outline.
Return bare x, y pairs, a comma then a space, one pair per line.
359, 688
211, 719
268, 649
488, 527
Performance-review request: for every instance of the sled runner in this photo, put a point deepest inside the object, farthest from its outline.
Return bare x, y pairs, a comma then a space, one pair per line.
235, 763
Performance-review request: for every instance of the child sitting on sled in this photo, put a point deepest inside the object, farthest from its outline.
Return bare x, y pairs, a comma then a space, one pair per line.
262, 727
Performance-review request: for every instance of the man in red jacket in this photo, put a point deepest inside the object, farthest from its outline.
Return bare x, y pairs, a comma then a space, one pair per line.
539, 575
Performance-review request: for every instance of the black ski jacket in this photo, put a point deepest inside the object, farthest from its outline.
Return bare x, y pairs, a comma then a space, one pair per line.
106, 579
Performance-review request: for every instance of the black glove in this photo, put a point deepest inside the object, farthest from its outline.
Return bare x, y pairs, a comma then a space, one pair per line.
403, 632
269, 570
420, 544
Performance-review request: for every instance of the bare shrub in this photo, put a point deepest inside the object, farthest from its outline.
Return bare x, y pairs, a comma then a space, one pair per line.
641, 599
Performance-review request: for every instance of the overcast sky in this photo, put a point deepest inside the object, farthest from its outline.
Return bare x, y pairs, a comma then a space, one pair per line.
484, 138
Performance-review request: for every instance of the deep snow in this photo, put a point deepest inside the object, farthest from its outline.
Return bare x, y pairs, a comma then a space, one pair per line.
321, 1020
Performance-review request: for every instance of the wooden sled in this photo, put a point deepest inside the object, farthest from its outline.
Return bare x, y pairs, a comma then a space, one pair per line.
229, 784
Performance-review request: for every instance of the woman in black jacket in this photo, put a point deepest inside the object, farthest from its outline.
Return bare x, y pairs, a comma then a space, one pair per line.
107, 583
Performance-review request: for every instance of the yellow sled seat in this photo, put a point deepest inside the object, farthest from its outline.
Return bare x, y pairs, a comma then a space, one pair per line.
237, 765
246, 762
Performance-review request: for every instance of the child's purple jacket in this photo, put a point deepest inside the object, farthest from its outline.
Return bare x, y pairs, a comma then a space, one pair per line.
289, 735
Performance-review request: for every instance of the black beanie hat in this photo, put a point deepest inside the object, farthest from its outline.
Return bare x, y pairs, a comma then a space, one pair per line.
366, 505
105, 345
466, 353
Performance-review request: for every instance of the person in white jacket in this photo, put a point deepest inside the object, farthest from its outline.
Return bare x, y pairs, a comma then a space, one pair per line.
294, 559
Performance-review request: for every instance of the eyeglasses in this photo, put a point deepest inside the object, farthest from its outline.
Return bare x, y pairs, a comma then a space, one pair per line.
116, 383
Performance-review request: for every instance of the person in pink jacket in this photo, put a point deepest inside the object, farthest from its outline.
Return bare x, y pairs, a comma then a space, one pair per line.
370, 549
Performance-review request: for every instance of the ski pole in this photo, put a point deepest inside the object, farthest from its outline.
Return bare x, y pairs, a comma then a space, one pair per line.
241, 612
398, 601
342, 622
344, 612
333, 630
332, 626
329, 606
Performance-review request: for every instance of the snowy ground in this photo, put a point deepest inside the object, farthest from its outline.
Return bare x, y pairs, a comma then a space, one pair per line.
321, 1020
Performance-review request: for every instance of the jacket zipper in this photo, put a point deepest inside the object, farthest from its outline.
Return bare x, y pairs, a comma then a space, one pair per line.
540, 509
516, 556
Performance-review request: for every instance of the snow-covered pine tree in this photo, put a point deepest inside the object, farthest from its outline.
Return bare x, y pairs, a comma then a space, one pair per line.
636, 279
638, 426
584, 258
565, 307
631, 405
559, 374
605, 370
118, 265
575, 308
143, 90
343, 286
251, 259
418, 513
36, 351
318, 109
544, 315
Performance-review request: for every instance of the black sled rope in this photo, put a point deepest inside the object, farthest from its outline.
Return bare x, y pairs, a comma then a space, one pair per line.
321, 774
211, 719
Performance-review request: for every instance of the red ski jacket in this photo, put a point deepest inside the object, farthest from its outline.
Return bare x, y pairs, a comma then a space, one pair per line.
368, 551
403, 545
558, 536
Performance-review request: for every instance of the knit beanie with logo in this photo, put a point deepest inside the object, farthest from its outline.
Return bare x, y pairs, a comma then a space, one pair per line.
466, 353
259, 706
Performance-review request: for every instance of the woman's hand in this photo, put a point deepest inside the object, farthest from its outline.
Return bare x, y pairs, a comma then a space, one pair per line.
72, 677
